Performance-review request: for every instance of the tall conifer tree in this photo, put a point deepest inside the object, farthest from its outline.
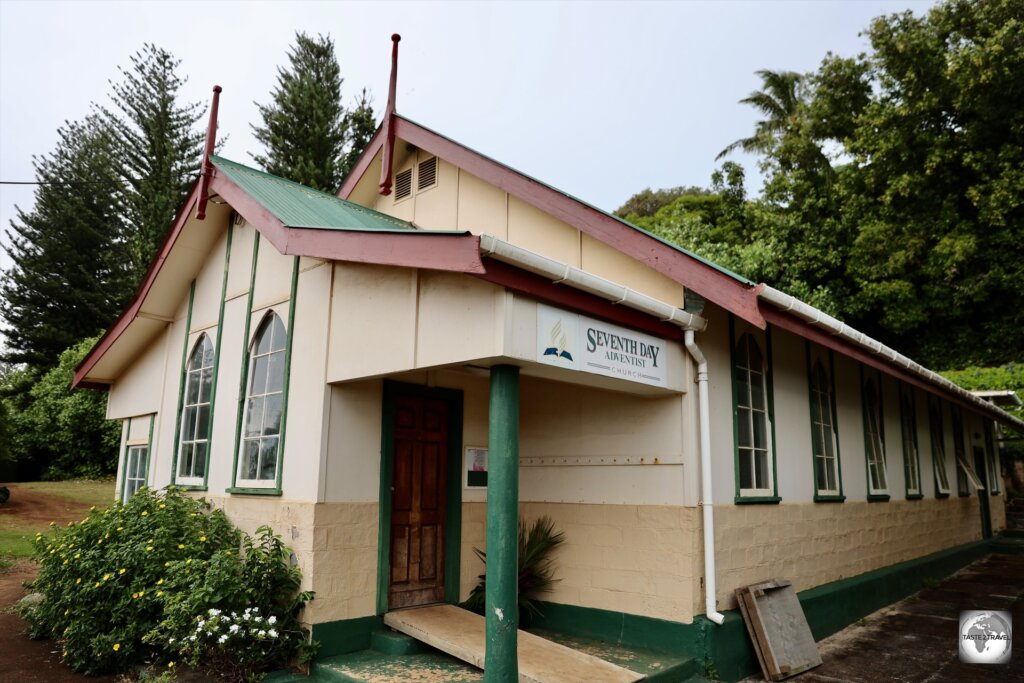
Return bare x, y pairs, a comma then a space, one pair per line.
67, 273
308, 135
159, 145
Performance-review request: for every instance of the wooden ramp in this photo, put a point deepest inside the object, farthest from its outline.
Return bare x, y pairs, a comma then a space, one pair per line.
461, 634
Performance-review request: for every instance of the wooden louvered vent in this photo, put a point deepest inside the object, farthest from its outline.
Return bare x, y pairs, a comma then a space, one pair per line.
427, 174
403, 184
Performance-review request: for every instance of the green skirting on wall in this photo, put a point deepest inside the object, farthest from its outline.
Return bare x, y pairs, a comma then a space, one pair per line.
725, 650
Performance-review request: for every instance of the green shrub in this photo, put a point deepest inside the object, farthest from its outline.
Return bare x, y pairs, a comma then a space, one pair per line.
536, 569
122, 582
237, 615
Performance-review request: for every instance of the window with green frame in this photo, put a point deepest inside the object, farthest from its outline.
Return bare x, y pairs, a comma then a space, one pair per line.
259, 459
936, 433
908, 429
137, 442
828, 483
995, 473
959, 453
755, 466
874, 440
194, 435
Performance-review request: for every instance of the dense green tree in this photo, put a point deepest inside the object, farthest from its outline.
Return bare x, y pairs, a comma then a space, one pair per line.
307, 134
648, 202
67, 271
159, 145
54, 431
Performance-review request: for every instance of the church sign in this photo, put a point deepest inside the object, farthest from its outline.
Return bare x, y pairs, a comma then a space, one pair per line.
573, 341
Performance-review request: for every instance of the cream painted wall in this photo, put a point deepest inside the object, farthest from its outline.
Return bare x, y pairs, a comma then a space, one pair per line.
137, 390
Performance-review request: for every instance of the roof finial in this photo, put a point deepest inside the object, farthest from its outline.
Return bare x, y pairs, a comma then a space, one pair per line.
389, 122
207, 168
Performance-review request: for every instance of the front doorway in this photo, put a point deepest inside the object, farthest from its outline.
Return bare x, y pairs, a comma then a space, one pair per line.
419, 505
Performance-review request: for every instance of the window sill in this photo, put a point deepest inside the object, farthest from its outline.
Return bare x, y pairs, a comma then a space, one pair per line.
995, 493
757, 500
254, 492
942, 494
964, 495
915, 496
878, 497
190, 487
819, 498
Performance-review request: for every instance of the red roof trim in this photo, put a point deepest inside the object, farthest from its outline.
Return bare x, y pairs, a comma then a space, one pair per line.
537, 287
713, 285
791, 323
129, 315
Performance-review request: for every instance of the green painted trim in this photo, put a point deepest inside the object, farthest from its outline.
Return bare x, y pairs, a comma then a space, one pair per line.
181, 386
216, 357
344, 636
873, 497
757, 500
287, 372
453, 494
901, 388
245, 361
963, 487
124, 457
992, 459
501, 664
770, 388
149, 446
735, 408
934, 409
186, 487
819, 497
726, 649
253, 492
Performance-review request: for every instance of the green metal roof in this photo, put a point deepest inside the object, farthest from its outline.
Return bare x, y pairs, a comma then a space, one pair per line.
712, 264
298, 206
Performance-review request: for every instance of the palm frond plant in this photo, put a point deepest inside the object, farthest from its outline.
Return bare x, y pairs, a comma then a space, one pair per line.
536, 567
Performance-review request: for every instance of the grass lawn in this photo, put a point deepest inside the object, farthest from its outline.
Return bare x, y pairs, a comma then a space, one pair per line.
16, 533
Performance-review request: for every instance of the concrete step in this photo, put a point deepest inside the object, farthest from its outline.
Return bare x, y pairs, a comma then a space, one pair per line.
370, 666
394, 643
460, 633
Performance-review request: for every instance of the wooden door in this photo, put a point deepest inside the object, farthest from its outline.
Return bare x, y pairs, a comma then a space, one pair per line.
418, 501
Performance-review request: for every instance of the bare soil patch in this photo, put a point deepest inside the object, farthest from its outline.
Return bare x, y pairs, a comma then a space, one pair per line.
28, 508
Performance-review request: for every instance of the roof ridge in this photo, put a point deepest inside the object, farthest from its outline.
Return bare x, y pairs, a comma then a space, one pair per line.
698, 257
352, 205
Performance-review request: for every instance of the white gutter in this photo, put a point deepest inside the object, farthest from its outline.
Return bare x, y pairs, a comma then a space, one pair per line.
560, 273
710, 589
812, 315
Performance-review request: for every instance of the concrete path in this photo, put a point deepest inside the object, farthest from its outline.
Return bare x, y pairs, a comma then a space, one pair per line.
915, 640
461, 634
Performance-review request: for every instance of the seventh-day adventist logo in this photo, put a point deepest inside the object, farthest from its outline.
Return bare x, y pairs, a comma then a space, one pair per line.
559, 342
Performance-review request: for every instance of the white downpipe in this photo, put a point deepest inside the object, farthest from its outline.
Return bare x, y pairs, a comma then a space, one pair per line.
812, 315
704, 407
560, 273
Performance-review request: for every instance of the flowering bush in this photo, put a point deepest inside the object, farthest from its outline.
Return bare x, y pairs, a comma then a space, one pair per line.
104, 579
237, 615
130, 584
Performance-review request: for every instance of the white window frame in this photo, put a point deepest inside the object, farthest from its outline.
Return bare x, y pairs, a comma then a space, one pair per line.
874, 435
133, 479
992, 459
823, 431
937, 435
190, 377
267, 322
744, 375
908, 439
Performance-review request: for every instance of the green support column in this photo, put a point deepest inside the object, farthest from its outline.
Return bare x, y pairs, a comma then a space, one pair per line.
500, 659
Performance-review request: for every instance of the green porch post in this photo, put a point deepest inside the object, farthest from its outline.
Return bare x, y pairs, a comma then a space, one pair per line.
500, 659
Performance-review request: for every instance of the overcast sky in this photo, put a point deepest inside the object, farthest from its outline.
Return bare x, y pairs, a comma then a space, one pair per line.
599, 99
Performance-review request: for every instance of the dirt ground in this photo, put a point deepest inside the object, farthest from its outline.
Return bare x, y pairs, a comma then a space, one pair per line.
22, 659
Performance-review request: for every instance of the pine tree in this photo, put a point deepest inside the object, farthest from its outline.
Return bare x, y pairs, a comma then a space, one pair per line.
308, 135
159, 148
68, 271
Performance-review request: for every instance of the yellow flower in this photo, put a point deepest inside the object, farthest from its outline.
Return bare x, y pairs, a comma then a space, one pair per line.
162, 506
97, 585
65, 653
38, 535
145, 513
141, 593
70, 546
181, 546
134, 595
120, 571
149, 548
202, 539
78, 580
99, 542
167, 564
65, 561
67, 612
117, 646
92, 508
170, 665
159, 593
53, 523
159, 582
106, 577
106, 535
78, 555
71, 523
119, 528
188, 561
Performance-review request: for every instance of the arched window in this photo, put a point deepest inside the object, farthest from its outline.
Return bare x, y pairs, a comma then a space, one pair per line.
194, 437
823, 434
874, 442
753, 440
264, 403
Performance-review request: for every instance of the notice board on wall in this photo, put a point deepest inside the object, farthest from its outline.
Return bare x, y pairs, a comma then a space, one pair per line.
778, 629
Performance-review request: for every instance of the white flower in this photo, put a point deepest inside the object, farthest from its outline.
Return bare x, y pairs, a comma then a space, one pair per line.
234, 628
272, 620
192, 638
262, 634
272, 633
222, 639
170, 640
208, 633
214, 612
246, 615
202, 623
